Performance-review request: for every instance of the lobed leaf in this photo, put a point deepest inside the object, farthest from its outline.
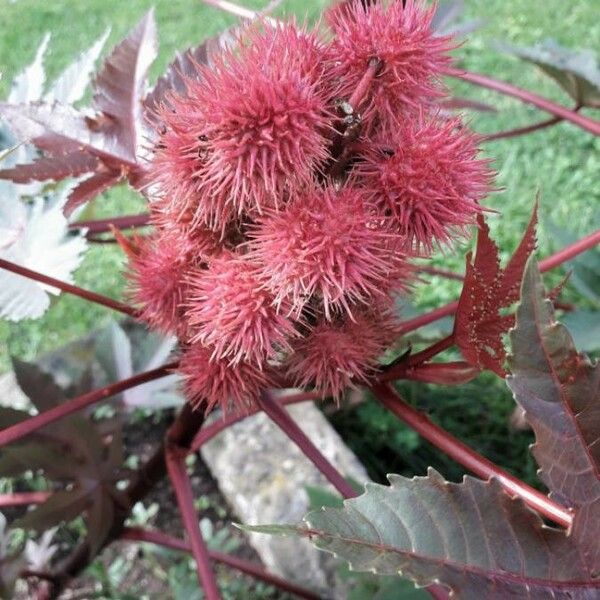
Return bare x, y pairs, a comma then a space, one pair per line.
471, 537
487, 289
69, 87
52, 168
74, 450
559, 389
184, 66
121, 84
576, 71
35, 236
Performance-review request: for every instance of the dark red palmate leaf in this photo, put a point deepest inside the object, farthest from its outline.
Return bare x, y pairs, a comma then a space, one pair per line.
106, 145
52, 168
91, 187
120, 86
479, 324
74, 450
184, 66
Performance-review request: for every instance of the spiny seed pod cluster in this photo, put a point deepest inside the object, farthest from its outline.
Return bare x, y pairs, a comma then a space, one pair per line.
293, 182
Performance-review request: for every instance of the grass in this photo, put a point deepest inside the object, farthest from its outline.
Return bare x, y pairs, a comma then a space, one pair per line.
563, 162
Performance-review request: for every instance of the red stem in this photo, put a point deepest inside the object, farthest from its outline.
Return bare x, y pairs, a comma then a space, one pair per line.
544, 104
517, 131
571, 251
440, 272
175, 459
429, 317
104, 225
470, 459
282, 419
23, 498
67, 287
556, 259
433, 350
157, 537
20, 430
397, 370
237, 10
210, 431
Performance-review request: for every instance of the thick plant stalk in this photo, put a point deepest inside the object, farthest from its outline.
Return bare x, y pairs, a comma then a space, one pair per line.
570, 251
568, 114
210, 431
395, 371
157, 537
282, 419
440, 272
23, 498
106, 225
470, 459
69, 288
20, 430
182, 486
558, 258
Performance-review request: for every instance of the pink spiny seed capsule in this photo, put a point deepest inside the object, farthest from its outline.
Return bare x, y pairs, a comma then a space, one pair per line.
229, 311
337, 354
428, 178
412, 56
252, 128
218, 381
157, 278
327, 244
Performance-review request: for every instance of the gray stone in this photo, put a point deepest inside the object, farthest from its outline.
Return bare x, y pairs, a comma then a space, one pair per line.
263, 475
11, 394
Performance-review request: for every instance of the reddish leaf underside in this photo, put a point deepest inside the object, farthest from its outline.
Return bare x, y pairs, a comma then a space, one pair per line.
559, 389
105, 145
120, 86
52, 168
479, 324
91, 187
470, 536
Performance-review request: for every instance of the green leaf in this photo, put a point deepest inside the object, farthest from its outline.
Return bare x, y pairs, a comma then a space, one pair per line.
584, 269
472, 537
584, 326
576, 71
319, 497
559, 389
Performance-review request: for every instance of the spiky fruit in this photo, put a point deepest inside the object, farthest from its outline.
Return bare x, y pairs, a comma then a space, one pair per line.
251, 129
412, 57
326, 244
427, 178
210, 381
229, 310
337, 354
158, 271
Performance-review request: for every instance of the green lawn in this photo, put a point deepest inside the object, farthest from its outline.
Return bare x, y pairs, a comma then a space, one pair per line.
562, 162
